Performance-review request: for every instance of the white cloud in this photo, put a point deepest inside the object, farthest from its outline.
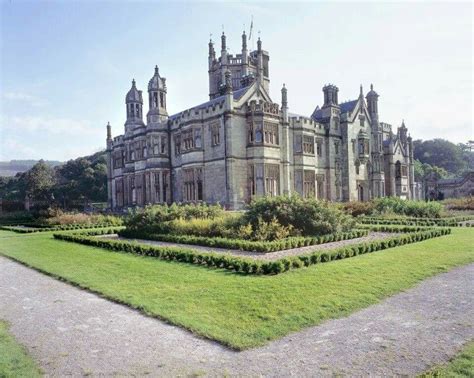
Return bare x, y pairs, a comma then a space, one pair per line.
65, 126
11, 147
24, 97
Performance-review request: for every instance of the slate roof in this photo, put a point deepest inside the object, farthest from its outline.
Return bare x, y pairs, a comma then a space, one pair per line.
456, 180
345, 108
348, 106
134, 95
317, 114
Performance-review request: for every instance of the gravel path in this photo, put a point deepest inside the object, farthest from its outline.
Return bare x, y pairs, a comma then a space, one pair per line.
269, 256
70, 331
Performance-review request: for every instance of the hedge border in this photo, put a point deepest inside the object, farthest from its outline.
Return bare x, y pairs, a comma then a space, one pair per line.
394, 228
429, 222
247, 245
65, 227
248, 265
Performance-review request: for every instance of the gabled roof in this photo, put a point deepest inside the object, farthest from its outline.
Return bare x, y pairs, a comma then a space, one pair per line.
240, 92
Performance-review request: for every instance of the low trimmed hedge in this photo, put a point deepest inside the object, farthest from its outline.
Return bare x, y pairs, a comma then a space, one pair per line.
441, 222
64, 227
246, 245
248, 265
394, 228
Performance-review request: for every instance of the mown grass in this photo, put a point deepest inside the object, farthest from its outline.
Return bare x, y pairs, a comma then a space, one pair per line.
237, 310
462, 365
14, 360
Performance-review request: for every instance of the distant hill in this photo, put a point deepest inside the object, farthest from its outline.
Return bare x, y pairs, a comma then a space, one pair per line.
12, 167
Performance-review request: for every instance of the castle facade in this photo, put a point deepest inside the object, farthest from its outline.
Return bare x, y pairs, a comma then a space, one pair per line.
241, 144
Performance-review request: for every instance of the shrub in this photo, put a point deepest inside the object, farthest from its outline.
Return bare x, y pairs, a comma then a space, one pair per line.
157, 218
54, 217
463, 204
269, 231
305, 217
399, 206
357, 208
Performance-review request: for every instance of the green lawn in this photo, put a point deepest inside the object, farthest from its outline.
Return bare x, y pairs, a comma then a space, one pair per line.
237, 310
460, 366
14, 361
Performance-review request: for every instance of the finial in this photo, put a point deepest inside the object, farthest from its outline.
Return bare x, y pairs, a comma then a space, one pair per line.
223, 44
284, 85
156, 70
371, 87
133, 82
361, 90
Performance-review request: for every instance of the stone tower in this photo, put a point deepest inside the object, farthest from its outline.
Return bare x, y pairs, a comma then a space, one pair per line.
377, 171
134, 103
157, 99
245, 67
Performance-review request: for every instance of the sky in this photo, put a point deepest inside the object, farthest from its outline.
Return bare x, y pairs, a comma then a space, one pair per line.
66, 66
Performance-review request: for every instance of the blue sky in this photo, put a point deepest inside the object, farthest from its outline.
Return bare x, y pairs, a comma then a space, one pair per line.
65, 66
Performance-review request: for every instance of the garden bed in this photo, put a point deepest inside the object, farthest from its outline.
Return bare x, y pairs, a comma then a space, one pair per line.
245, 245
267, 256
249, 265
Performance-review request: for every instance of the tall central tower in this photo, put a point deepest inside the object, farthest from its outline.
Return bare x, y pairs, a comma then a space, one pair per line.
245, 68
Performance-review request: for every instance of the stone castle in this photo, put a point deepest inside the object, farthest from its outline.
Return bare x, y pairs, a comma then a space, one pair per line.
240, 144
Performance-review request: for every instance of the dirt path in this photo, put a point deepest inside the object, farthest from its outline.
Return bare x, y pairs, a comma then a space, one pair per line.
261, 255
70, 331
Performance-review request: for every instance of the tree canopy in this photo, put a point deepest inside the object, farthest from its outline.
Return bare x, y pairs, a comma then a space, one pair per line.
454, 159
82, 179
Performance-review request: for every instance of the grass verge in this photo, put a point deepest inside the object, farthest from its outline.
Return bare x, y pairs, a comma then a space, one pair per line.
241, 311
14, 360
462, 365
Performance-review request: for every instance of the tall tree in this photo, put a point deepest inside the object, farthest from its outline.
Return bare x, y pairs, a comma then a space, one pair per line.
39, 181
